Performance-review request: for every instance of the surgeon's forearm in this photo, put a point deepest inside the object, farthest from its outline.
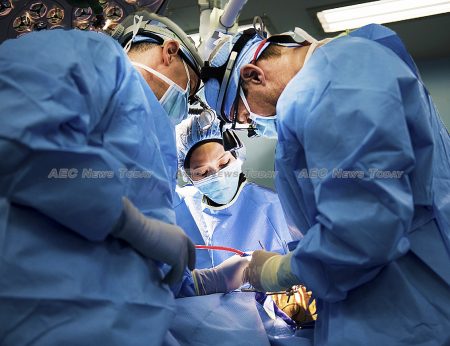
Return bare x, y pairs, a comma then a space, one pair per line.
277, 275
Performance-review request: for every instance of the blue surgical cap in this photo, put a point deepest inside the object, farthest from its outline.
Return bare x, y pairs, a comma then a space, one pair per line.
218, 57
189, 133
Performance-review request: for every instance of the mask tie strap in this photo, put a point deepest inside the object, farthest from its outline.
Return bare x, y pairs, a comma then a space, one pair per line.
137, 24
244, 100
152, 71
188, 85
247, 107
161, 76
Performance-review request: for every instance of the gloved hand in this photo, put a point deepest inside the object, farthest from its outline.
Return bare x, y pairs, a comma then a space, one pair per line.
270, 271
226, 277
252, 273
157, 240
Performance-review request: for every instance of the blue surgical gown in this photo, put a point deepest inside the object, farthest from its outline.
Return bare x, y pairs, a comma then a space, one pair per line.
72, 107
376, 249
254, 219
260, 222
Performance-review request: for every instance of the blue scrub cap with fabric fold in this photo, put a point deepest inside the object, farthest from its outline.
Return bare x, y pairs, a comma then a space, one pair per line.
218, 57
189, 132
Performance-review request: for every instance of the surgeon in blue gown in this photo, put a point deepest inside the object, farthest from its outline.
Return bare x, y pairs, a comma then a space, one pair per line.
219, 207
227, 210
363, 163
87, 176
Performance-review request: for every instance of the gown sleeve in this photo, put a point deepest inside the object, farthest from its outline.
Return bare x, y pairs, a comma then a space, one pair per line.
58, 93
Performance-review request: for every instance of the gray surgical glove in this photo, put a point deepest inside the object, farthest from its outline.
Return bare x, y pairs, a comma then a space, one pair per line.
157, 240
226, 277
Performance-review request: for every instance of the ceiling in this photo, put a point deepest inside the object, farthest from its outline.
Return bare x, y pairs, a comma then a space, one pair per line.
426, 38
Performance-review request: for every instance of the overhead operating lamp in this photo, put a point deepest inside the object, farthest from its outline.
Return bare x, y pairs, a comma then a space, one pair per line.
383, 11
19, 17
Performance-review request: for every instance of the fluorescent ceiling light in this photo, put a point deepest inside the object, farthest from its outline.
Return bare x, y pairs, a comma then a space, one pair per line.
196, 36
383, 11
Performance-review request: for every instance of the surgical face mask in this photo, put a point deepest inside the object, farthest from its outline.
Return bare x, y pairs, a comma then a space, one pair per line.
223, 185
175, 99
264, 126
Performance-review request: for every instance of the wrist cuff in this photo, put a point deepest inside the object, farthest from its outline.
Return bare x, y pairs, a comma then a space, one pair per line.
206, 281
195, 280
276, 273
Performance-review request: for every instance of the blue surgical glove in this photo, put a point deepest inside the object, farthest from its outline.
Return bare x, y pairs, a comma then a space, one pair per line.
226, 277
157, 240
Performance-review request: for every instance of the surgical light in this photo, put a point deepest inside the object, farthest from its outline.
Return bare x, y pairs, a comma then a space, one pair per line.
383, 11
21, 17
